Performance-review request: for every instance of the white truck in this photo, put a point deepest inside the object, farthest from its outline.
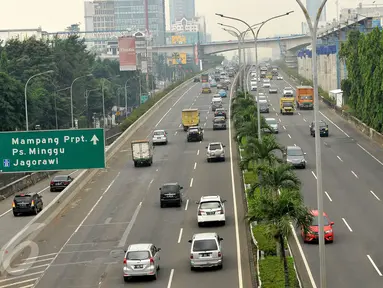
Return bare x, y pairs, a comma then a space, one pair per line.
142, 153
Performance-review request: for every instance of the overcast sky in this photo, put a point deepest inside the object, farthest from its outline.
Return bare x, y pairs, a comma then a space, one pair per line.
55, 15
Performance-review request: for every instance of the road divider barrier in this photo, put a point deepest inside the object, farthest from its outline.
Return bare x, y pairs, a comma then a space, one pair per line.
53, 209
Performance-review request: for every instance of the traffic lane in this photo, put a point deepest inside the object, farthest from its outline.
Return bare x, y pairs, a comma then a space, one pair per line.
347, 207
40, 187
123, 211
361, 165
90, 198
210, 179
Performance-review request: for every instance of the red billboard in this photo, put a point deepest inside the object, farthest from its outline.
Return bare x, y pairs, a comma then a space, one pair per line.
196, 60
127, 51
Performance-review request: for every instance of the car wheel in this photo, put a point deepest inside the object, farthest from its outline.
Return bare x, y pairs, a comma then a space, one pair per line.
179, 204
126, 279
191, 268
220, 266
52, 190
223, 223
199, 224
304, 166
35, 211
208, 160
15, 214
155, 276
135, 164
162, 205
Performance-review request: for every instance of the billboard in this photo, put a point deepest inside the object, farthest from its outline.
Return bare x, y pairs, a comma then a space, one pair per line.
196, 59
127, 53
180, 58
143, 98
178, 39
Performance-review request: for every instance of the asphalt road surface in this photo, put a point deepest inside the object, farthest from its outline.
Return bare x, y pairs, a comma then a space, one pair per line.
352, 180
83, 246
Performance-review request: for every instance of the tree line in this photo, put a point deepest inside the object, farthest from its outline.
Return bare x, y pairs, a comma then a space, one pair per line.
274, 197
48, 95
363, 88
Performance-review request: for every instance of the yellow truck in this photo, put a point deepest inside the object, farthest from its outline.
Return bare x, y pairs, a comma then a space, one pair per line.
286, 105
190, 118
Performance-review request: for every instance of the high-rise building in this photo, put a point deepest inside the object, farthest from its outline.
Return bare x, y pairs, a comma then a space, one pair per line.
312, 7
181, 9
132, 14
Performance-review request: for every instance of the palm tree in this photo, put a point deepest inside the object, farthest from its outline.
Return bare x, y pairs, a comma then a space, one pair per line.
275, 179
260, 151
278, 212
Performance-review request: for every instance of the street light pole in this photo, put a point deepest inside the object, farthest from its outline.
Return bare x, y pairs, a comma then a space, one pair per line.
103, 96
26, 96
56, 94
313, 31
71, 96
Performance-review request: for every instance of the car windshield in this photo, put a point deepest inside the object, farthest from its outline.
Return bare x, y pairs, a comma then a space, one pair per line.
219, 120
287, 104
271, 121
60, 178
137, 255
205, 85
263, 104
222, 91
316, 221
288, 88
307, 97
159, 132
205, 245
169, 188
215, 146
210, 205
294, 152
21, 197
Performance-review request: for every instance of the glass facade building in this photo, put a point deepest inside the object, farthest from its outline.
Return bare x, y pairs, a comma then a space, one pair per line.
181, 9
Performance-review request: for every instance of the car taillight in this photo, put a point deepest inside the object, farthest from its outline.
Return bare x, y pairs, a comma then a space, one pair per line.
13, 204
66, 183
219, 254
124, 260
199, 212
151, 261
33, 203
191, 256
52, 182
221, 211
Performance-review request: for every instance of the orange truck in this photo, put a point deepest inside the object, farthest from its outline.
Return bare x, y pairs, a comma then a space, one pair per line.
304, 97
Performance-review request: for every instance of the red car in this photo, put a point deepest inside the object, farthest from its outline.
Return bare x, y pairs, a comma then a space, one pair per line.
312, 234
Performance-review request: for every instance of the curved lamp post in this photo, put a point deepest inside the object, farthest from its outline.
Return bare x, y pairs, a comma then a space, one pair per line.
26, 97
71, 96
313, 31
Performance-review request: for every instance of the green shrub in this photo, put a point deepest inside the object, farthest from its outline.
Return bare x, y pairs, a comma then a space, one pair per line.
272, 274
266, 243
249, 177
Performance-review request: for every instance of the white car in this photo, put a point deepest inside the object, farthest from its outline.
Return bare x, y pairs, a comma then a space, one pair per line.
211, 209
273, 124
253, 86
279, 78
288, 91
141, 260
215, 151
160, 137
266, 80
266, 85
206, 251
261, 98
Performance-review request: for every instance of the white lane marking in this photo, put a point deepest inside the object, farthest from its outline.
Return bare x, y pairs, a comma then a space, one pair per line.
206, 117
284, 127
170, 279
179, 126
175, 103
312, 172
18, 277
289, 136
345, 223
295, 145
299, 113
373, 157
340, 129
29, 268
175, 133
187, 205
198, 152
41, 256
353, 173
26, 262
340, 159
195, 165
276, 114
78, 228
304, 120
374, 265
180, 235
150, 183
124, 237
41, 191
372, 192
238, 244
107, 221
191, 182
21, 282
273, 109
328, 196
204, 124
162, 118
279, 119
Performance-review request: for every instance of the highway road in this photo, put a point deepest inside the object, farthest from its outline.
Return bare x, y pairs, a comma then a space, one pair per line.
83, 246
352, 169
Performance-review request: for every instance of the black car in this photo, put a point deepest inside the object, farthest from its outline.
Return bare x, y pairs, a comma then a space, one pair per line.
194, 134
196, 79
220, 112
27, 204
60, 182
170, 194
323, 129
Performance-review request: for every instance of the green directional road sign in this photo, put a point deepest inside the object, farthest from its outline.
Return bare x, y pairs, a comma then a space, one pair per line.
52, 150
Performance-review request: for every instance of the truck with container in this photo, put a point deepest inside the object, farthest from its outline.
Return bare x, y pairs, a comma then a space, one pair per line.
286, 105
142, 153
190, 118
304, 97
205, 78
274, 71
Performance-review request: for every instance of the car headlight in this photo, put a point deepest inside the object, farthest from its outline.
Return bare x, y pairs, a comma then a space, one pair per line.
303, 161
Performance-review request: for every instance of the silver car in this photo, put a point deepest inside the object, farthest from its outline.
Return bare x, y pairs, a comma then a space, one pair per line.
263, 106
295, 156
273, 124
219, 122
215, 151
141, 260
206, 251
160, 137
